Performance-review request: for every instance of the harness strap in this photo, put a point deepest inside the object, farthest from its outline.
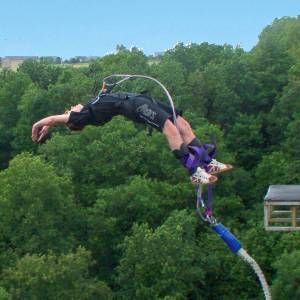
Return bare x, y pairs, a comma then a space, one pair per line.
200, 156
206, 152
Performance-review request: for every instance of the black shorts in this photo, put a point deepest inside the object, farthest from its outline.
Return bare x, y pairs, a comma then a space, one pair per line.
139, 108
143, 109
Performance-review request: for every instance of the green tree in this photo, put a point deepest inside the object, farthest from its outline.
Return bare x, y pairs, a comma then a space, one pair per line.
4, 295
246, 132
160, 264
213, 95
271, 62
273, 169
124, 61
13, 86
225, 275
104, 155
285, 109
37, 212
72, 87
292, 145
140, 200
284, 32
53, 276
197, 56
41, 72
171, 74
109, 155
286, 283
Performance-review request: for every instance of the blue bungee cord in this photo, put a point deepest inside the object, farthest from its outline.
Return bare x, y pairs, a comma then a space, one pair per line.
204, 209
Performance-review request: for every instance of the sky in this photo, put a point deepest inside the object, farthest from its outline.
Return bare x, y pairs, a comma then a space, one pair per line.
69, 28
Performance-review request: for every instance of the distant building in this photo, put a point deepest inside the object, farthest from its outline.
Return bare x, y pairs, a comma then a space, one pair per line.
159, 54
93, 57
79, 59
282, 208
13, 62
51, 59
85, 58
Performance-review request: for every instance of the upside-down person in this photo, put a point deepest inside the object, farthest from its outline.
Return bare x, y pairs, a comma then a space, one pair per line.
141, 108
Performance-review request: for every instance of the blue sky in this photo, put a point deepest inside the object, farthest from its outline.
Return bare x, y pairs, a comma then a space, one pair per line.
67, 28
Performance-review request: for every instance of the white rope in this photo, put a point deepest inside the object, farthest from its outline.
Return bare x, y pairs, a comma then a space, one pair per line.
247, 258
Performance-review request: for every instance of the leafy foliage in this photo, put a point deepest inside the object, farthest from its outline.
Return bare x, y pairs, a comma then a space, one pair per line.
37, 208
107, 212
54, 277
286, 283
160, 263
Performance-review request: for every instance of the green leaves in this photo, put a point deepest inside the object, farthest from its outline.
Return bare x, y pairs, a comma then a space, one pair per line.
117, 209
118, 196
247, 133
160, 263
286, 284
40, 72
37, 211
54, 277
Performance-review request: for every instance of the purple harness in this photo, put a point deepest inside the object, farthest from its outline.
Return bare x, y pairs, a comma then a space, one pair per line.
200, 156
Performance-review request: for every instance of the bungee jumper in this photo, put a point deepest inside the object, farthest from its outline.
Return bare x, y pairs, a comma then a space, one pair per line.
196, 157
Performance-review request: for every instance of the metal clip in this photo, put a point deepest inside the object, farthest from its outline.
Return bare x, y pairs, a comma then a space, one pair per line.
203, 210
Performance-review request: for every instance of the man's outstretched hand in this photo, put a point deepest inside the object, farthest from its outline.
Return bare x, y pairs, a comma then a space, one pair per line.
39, 131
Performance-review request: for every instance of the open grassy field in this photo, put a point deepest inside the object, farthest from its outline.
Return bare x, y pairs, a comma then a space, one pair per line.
74, 65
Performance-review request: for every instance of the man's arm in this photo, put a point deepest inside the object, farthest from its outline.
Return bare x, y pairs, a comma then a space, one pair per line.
40, 128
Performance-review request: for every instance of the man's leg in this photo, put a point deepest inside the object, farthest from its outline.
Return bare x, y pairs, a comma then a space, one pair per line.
185, 130
189, 138
173, 136
146, 111
182, 153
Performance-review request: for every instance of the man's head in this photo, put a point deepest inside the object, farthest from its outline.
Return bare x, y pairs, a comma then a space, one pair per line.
78, 107
78, 116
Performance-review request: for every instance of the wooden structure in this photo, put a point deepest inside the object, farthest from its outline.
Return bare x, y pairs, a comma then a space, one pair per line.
282, 208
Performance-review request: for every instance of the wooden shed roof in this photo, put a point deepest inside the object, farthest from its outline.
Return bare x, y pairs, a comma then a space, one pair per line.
283, 193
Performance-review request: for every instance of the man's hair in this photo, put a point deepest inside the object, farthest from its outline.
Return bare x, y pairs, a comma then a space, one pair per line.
78, 120
73, 127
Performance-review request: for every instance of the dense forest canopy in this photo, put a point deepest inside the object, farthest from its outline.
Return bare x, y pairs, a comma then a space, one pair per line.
109, 213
